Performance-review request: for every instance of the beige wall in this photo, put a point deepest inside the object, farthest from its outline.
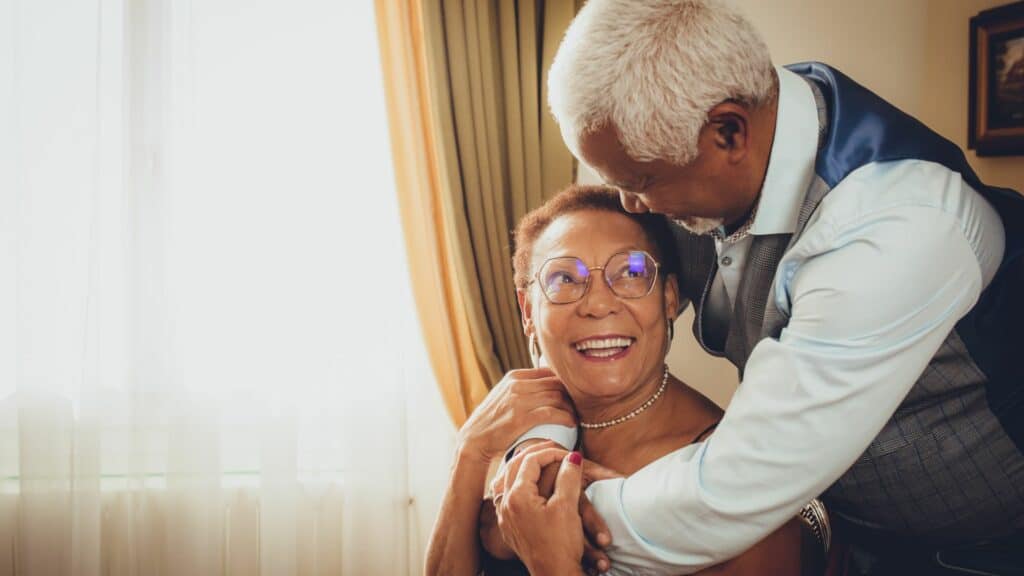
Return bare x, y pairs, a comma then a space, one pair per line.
911, 52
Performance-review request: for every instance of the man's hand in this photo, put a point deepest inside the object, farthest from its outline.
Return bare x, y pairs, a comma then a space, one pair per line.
597, 535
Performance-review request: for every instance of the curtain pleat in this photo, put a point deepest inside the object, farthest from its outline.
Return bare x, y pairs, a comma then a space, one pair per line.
530, 81
496, 195
465, 305
472, 67
435, 239
510, 153
475, 149
511, 156
473, 160
557, 161
509, 52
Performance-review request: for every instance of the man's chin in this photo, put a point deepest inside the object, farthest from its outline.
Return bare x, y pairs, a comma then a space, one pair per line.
699, 226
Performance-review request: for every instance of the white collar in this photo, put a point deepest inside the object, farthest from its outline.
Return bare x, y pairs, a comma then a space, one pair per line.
791, 164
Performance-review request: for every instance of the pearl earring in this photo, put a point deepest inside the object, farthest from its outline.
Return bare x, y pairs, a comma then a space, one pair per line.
535, 353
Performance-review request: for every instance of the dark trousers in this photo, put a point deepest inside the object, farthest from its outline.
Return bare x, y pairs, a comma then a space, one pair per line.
872, 554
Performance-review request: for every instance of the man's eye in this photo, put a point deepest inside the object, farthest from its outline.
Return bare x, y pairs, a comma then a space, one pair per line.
635, 186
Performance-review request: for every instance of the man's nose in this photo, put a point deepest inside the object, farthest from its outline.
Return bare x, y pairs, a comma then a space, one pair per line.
631, 203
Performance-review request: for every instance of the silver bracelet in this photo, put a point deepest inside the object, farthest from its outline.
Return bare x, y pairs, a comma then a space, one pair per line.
815, 516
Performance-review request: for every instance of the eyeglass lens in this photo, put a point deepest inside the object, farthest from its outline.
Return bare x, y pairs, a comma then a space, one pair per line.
628, 274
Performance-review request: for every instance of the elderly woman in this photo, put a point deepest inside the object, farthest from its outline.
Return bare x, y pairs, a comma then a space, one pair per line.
598, 296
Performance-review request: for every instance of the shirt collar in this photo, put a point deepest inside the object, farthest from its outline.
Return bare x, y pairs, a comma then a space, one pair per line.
791, 164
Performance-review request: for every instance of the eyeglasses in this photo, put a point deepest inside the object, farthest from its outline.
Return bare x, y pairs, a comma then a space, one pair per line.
565, 279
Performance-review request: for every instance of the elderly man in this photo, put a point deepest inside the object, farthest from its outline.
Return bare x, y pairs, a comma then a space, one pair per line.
866, 284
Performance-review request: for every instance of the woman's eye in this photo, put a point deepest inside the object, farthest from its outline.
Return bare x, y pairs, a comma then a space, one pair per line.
625, 272
560, 278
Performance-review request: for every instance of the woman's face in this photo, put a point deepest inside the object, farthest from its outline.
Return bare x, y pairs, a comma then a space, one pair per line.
583, 341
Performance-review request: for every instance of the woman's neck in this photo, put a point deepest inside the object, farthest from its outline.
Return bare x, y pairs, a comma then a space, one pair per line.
602, 410
674, 420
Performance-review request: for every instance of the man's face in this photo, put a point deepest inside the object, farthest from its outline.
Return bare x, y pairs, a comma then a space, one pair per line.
697, 195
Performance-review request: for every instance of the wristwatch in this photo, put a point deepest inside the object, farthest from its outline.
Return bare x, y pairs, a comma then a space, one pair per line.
815, 516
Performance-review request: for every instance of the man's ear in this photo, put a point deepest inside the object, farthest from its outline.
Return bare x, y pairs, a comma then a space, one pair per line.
525, 311
729, 123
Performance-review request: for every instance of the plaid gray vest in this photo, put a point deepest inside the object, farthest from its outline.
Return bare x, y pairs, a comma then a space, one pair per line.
944, 466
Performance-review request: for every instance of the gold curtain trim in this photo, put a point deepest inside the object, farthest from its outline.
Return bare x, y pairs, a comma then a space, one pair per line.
420, 178
474, 149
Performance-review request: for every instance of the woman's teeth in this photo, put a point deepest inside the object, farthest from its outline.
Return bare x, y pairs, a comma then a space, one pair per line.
604, 347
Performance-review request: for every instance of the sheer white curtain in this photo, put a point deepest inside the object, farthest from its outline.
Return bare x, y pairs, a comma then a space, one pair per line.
209, 356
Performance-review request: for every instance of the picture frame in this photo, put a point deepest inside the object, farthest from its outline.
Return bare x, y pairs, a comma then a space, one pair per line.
996, 102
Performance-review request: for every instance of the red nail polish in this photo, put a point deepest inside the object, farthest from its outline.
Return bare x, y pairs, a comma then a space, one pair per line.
575, 458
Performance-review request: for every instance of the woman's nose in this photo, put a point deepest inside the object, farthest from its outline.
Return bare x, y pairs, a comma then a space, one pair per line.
631, 203
599, 300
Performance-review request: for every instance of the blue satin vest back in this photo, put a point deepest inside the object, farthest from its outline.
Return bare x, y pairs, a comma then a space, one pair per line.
863, 128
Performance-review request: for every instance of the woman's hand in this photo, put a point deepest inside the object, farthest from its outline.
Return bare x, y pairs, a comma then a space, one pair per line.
521, 400
596, 531
546, 533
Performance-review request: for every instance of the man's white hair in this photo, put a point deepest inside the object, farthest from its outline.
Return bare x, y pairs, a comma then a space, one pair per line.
653, 69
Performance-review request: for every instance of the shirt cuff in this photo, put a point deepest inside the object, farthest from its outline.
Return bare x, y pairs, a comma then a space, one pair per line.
565, 436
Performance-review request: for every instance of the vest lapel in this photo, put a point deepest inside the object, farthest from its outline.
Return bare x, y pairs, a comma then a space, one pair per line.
751, 296
755, 313
696, 262
774, 319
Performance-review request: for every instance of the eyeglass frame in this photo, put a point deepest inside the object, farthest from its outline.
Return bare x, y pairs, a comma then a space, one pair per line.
586, 288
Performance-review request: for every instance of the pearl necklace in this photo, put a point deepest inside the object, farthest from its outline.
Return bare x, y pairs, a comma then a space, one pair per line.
633, 414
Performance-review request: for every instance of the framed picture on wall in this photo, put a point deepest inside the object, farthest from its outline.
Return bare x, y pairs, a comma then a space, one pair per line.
996, 115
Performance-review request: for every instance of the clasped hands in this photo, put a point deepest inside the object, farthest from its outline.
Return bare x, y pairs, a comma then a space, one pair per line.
538, 511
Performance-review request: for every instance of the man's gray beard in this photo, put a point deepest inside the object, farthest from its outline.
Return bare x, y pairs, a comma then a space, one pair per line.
699, 226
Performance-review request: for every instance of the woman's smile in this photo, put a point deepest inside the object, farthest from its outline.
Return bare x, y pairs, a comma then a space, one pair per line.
605, 347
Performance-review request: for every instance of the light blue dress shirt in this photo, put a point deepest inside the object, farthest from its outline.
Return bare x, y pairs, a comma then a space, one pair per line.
895, 255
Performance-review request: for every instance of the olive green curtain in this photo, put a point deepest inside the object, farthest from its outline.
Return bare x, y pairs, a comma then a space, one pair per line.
501, 149
474, 149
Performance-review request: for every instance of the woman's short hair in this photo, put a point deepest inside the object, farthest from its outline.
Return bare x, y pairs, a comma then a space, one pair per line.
653, 69
579, 198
